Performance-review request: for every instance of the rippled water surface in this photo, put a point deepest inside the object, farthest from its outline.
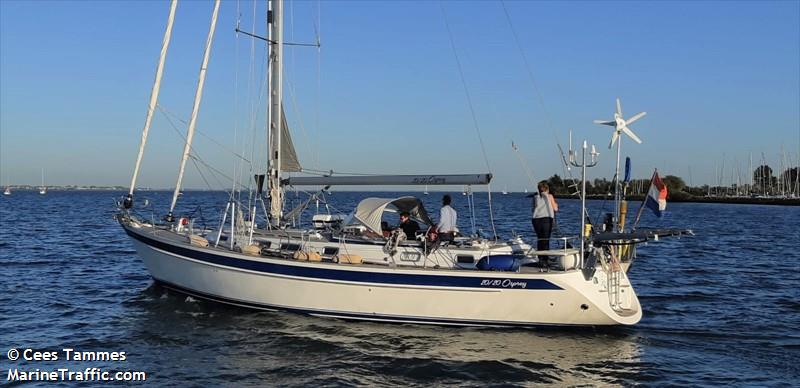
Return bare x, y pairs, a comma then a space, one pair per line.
722, 307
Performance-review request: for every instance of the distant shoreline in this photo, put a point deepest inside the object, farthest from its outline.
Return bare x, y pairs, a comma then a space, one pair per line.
729, 200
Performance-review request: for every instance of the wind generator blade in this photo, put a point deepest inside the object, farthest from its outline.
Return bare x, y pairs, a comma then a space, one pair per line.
613, 139
604, 122
631, 135
619, 107
635, 117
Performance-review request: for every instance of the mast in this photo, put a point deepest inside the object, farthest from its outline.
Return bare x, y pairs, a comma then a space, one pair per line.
617, 194
195, 108
153, 101
276, 112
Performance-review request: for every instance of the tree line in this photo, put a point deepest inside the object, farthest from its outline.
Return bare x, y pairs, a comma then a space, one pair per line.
763, 184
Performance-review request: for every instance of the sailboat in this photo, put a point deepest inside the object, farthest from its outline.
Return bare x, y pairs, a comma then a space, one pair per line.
42, 188
354, 267
7, 191
426, 190
505, 190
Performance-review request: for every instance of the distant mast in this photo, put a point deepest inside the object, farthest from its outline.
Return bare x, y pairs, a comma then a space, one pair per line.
153, 101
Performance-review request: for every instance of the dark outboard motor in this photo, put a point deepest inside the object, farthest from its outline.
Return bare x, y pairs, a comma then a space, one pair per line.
608, 222
127, 203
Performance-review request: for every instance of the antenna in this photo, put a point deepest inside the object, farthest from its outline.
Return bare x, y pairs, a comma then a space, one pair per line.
583, 164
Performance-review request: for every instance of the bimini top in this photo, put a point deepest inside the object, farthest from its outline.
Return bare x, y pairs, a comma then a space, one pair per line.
369, 211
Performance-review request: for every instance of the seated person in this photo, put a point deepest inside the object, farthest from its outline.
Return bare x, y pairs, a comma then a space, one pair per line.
409, 226
385, 229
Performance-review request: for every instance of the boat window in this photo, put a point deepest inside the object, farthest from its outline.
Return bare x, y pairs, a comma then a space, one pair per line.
410, 256
465, 259
290, 247
330, 251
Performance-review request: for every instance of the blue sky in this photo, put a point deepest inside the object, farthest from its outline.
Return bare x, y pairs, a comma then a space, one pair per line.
719, 80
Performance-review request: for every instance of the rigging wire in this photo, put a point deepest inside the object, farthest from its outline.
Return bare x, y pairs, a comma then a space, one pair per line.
566, 171
471, 204
196, 156
251, 80
472, 111
466, 89
318, 34
535, 86
298, 116
523, 163
199, 171
539, 97
235, 105
167, 115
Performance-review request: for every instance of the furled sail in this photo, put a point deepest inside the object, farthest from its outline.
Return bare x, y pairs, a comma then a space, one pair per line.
289, 162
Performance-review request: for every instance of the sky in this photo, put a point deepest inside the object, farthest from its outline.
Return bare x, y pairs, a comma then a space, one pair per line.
720, 81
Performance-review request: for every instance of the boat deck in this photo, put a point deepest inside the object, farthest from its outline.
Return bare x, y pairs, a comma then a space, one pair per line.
182, 238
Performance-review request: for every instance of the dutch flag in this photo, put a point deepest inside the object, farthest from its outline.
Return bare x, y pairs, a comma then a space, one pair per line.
657, 196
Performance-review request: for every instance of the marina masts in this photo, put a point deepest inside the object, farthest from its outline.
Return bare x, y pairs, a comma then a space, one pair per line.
153, 101
195, 108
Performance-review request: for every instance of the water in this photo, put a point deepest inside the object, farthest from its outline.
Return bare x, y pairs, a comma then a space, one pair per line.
722, 307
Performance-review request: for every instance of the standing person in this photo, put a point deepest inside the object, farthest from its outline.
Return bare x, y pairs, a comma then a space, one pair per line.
447, 220
544, 213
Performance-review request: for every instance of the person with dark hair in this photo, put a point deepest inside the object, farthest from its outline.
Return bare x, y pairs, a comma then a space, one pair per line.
409, 226
448, 218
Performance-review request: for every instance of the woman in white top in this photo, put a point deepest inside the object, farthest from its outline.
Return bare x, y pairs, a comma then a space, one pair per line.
544, 212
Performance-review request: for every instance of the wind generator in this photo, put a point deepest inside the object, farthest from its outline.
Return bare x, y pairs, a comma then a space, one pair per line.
620, 126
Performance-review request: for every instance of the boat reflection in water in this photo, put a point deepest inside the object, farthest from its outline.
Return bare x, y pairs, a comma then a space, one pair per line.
371, 353
282, 348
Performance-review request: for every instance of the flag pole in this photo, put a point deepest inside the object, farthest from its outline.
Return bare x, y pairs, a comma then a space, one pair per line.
641, 206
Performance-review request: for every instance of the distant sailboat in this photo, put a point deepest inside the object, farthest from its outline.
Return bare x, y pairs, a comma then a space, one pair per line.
505, 190
7, 191
426, 190
43, 188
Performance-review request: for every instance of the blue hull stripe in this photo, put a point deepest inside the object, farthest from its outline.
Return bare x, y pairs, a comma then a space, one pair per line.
356, 316
488, 282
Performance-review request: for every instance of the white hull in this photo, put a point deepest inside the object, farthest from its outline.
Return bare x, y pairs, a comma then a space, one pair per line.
368, 292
